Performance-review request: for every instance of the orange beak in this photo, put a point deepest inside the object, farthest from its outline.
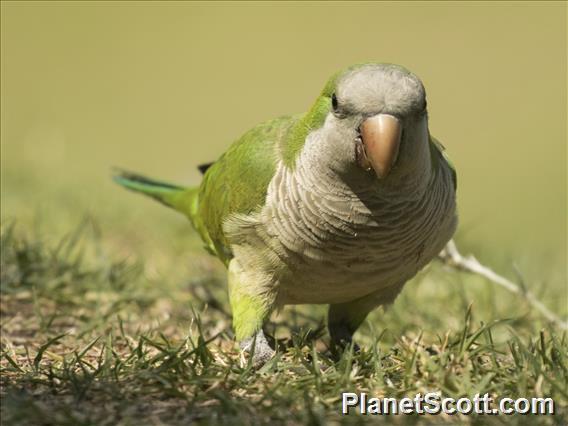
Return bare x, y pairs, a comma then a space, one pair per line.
381, 138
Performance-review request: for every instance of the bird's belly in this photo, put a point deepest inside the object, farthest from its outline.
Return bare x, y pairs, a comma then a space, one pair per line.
369, 260
330, 284
354, 272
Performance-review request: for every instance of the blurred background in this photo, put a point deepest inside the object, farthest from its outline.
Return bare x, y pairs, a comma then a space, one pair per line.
161, 87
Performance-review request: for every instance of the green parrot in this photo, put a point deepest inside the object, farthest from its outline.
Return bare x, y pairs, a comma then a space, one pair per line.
341, 205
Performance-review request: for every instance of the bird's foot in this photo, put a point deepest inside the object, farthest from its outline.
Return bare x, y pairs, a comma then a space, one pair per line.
259, 348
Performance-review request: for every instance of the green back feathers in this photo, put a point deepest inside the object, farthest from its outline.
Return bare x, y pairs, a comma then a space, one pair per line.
237, 183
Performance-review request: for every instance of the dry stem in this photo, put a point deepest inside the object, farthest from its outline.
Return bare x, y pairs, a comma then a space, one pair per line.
452, 257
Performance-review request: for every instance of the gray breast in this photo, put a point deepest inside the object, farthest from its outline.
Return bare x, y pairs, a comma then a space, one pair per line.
338, 245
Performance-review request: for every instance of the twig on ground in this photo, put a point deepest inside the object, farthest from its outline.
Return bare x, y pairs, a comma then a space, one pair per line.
453, 258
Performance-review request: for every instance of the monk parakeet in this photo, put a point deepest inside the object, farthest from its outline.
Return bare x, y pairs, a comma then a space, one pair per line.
341, 205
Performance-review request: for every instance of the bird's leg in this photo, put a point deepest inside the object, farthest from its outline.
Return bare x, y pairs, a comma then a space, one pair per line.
251, 307
345, 318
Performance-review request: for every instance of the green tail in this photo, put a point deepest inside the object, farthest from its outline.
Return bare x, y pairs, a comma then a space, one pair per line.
179, 198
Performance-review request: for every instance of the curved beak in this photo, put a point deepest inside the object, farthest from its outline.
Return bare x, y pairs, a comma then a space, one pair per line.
381, 135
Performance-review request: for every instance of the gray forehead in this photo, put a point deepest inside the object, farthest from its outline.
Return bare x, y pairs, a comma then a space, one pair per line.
381, 88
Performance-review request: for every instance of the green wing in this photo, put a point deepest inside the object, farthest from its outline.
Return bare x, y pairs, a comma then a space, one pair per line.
238, 182
438, 152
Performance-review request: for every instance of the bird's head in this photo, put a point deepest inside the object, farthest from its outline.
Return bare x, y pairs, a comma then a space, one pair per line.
372, 123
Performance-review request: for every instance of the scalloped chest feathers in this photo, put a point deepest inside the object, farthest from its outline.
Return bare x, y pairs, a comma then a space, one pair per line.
319, 242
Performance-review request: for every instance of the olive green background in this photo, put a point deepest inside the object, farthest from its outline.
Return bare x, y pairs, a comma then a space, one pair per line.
162, 87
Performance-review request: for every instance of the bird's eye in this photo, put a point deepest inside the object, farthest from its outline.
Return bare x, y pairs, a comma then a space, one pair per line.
334, 103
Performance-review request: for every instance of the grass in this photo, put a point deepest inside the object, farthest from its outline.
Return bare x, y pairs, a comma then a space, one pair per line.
94, 331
